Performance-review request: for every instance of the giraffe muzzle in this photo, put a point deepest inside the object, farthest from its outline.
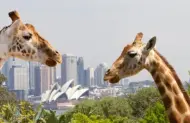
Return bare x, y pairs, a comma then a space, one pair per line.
112, 79
51, 63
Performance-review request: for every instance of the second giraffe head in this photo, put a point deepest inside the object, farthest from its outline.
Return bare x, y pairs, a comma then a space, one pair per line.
133, 59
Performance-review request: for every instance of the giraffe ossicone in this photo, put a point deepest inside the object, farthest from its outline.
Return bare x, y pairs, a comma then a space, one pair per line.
24, 42
138, 56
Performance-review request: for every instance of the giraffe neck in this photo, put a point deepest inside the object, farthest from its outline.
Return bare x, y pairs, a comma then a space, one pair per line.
174, 97
4, 46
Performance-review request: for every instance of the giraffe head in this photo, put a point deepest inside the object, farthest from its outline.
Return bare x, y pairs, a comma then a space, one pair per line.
24, 42
132, 60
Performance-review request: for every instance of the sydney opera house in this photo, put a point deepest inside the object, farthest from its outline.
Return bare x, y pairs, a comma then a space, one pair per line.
68, 91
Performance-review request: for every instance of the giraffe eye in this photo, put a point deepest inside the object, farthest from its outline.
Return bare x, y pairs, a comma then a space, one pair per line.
27, 37
132, 54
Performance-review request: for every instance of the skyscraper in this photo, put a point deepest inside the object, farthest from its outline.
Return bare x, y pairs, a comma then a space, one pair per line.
99, 74
37, 76
32, 66
69, 68
53, 76
46, 77
89, 77
80, 71
19, 78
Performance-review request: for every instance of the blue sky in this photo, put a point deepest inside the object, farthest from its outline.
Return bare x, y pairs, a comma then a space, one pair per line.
99, 29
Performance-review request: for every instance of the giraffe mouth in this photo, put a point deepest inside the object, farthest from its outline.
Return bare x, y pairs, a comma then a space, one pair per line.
51, 63
112, 79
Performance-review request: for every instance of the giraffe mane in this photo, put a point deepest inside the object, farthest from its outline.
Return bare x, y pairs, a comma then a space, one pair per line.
174, 74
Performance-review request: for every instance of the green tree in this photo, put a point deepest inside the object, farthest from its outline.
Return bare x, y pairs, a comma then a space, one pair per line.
111, 106
80, 118
5, 95
21, 113
50, 117
142, 99
8, 112
106, 107
86, 107
66, 117
155, 114
26, 112
144, 105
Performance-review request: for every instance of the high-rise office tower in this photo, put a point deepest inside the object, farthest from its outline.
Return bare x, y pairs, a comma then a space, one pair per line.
32, 66
19, 78
37, 76
80, 71
47, 78
90, 77
44, 78
99, 74
69, 68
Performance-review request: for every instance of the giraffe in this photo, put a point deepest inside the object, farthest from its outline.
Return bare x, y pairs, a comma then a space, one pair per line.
138, 56
22, 41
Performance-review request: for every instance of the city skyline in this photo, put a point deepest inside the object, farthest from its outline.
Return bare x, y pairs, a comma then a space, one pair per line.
79, 63
28, 79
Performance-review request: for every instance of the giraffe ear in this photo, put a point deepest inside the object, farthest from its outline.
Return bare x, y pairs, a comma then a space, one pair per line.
14, 15
13, 29
151, 44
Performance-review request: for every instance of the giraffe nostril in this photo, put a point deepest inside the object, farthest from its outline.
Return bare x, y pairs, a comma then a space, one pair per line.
56, 52
30, 34
108, 71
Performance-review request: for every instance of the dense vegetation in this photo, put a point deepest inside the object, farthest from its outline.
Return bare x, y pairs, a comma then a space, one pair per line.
145, 106
5, 96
